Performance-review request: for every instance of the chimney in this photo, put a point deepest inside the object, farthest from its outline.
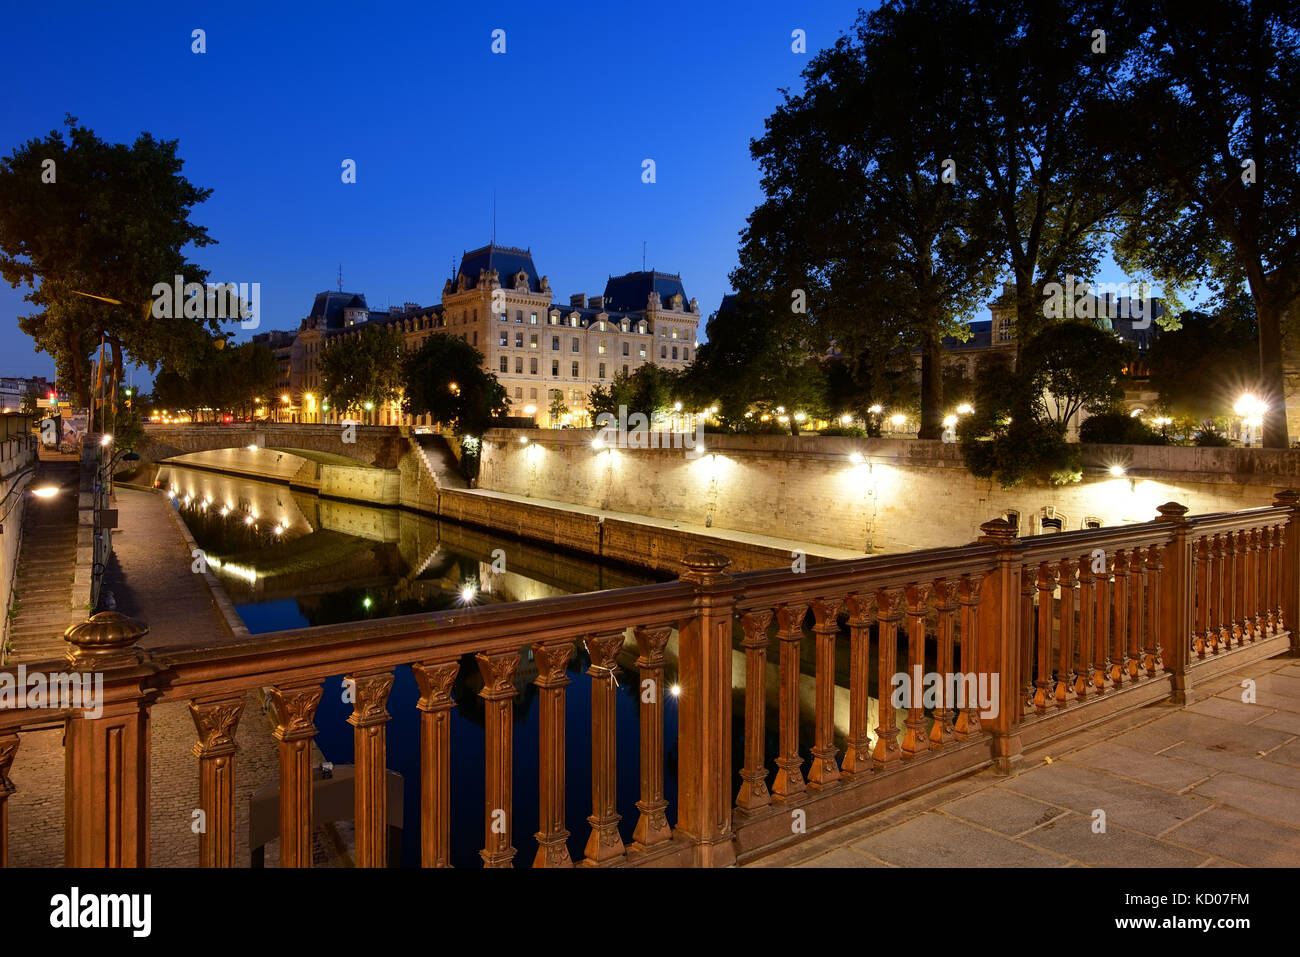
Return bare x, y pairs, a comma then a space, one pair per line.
597, 302
578, 300
410, 307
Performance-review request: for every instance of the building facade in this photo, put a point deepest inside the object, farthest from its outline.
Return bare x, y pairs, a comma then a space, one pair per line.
537, 348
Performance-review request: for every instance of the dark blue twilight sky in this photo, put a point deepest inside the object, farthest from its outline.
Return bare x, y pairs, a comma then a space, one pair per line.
558, 126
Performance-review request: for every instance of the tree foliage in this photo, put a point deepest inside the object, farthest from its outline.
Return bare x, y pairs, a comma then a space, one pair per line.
361, 368
112, 222
1215, 121
230, 380
445, 378
1073, 366
1202, 367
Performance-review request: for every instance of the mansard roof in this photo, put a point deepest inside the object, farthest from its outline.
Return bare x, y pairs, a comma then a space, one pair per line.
506, 260
630, 291
327, 310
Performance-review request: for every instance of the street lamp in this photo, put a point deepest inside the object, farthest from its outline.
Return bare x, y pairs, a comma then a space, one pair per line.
1251, 409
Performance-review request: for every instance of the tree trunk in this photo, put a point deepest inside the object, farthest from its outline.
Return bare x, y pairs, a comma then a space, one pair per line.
1268, 312
931, 386
79, 383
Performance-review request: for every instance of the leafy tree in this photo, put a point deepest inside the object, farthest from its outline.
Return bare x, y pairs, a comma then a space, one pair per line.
859, 214
1202, 367
1070, 366
1216, 120
30, 402
1047, 127
445, 378
557, 407
111, 222
228, 381
1117, 427
361, 368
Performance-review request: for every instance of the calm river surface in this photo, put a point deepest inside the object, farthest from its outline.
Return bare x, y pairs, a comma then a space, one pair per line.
290, 559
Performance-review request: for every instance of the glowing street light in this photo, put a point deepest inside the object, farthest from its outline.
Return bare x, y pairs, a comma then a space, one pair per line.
876, 409
898, 419
467, 593
855, 458
965, 409
1117, 471
46, 491
846, 420
107, 439
950, 421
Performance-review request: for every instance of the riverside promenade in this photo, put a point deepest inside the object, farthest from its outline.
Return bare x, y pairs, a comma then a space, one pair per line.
1212, 784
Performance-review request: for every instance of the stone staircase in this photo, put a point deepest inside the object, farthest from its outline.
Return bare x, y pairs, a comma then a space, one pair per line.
439, 460
43, 585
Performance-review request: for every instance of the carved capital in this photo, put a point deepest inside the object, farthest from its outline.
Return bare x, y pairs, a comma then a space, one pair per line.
295, 710
603, 650
889, 604
918, 598
498, 673
945, 594
824, 612
435, 679
216, 722
859, 609
968, 591
552, 659
789, 621
755, 625
651, 642
370, 696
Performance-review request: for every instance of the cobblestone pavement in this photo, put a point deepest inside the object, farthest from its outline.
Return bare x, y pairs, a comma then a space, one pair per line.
1213, 784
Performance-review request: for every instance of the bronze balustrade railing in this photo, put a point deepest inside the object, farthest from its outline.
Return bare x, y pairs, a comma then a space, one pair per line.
1074, 626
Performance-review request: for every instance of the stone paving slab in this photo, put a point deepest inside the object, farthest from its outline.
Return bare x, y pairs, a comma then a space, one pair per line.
1215, 784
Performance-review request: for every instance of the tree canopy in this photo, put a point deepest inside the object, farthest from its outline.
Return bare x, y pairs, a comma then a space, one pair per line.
445, 378
361, 368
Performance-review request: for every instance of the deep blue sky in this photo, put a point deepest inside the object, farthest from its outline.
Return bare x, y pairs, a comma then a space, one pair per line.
558, 126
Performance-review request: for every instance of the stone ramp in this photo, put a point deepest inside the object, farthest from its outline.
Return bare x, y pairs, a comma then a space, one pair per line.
47, 555
1213, 784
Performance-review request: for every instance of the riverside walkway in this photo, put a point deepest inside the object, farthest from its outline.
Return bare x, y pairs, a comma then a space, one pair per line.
1213, 784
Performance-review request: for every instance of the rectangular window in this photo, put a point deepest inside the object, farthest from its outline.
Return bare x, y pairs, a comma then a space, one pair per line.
519, 315
575, 370
475, 337
625, 348
552, 320
519, 393
505, 364
505, 339
575, 344
555, 343
624, 370
555, 368
532, 365
532, 341
532, 321
602, 370
663, 352
519, 365
505, 317
643, 352
532, 393
674, 352
601, 347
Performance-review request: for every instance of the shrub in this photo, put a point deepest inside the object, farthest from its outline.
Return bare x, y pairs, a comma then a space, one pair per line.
1118, 428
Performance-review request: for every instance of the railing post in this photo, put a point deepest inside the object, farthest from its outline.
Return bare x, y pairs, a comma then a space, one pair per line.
106, 774
652, 826
295, 712
704, 711
1289, 579
552, 836
498, 694
435, 680
1000, 644
8, 748
1176, 599
216, 722
369, 719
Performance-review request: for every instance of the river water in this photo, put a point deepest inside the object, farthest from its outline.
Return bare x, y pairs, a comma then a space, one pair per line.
290, 559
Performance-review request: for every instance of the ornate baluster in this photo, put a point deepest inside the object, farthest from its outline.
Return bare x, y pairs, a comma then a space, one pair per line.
8, 749
915, 740
435, 679
942, 731
1155, 575
889, 610
1219, 591
1203, 594
857, 749
1269, 599
652, 826
1101, 645
369, 720
1029, 577
1255, 624
1229, 617
498, 694
552, 837
605, 844
1046, 583
968, 594
216, 722
1135, 589
295, 711
824, 772
1083, 674
1069, 592
789, 774
1240, 592
753, 776
1119, 617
